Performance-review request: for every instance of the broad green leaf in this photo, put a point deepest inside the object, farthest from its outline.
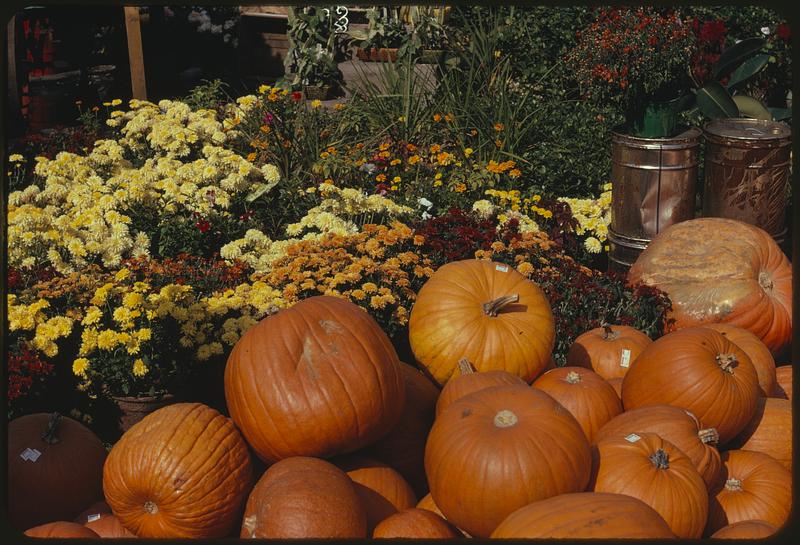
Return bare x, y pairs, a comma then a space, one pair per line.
780, 114
746, 70
260, 189
736, 54
750, 107
714, 101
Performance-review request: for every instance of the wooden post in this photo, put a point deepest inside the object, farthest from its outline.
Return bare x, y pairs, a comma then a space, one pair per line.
135, 54
14, 104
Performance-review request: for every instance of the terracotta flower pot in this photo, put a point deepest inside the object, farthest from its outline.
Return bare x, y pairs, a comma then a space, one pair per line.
136, 408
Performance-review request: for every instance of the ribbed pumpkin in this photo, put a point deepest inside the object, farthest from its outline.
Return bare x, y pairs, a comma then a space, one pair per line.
415, 524
676, 425
585, 515
616, 383
404, 447
61, 529
721, 270
93, 511
746, 529
181, 472
783, 382
494, 451
427, 503
584, 393
467, 381
318, 379
382, 490
699, 370
651, 469
608, 350
769, 431
751, 486
759, 354
108, 525
302, 497
55, 469
485, 312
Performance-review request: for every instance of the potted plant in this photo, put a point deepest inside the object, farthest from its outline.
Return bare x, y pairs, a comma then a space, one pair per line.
428, 38
385, 35
639, 59
311, 63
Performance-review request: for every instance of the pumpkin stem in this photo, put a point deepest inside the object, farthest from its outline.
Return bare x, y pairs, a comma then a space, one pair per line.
709, 435
608, 333
505, 419
660, 459
765, 281
49, 436
573, 377
491, 308
465, 367
734, 485
727, 362
150, 507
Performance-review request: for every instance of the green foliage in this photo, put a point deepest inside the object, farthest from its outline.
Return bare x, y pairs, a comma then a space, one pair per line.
207, 95
313, 46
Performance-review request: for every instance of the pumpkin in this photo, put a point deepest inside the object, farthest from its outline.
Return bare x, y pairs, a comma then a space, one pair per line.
585, 515
61, 529
415, 524
769, 431
468, 381
751, 486
382, 490
616, 383
404, 447
649, 468
783, 382
699, 370
721, 270
584, 393
55, 469
183, 471
93, 511
303, 497
746, 529
485, 312
318, 379
427, 503
498, 449
108, 525
759, 354
608, 350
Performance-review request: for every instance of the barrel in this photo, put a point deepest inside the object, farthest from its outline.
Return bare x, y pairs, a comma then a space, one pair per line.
747, 172
653, 186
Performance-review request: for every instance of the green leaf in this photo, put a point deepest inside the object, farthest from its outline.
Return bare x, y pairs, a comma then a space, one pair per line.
780, 114
714, 101
736, 54
259, 190
750, 107
747, 69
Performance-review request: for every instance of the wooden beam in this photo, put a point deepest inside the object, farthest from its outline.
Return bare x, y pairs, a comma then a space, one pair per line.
135, 54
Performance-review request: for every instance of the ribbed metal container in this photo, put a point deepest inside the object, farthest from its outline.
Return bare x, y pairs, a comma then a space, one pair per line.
654, 183
747, 172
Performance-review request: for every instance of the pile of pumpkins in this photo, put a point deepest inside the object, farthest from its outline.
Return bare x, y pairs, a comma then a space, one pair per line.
331, 436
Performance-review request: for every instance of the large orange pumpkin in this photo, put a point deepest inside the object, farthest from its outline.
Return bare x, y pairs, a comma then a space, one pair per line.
585, 515
55, 469
751, 486
676, 425
584, 393
647, 467
181, 472
485, 312
302, 497
61, 529
404, 447
721, 270
759, 354
746, 529
427, 503
608, 350
498, 449
415, 524
317, 379
769, 431
468, 381
108, 525
382, 490
616, 383
699, 370
783, 382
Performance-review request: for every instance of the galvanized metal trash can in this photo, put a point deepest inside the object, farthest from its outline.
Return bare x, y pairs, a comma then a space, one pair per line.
654, 181
747, 172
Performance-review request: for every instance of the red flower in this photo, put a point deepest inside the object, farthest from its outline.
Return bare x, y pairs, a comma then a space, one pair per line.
713, 32
203, 225
784, 32
296, 96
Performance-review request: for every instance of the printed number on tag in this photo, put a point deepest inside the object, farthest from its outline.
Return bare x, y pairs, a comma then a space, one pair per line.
30, 454
632, 438
502, 268
625, 360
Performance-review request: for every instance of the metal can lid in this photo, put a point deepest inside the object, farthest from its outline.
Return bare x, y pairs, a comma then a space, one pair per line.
748, 129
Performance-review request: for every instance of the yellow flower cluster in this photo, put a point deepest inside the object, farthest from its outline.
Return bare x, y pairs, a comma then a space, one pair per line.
593, 216
510, 205
46, 330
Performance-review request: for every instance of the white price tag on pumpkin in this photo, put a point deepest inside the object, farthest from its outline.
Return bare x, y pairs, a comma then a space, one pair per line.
625, 360
30, 454
501, 268
632, 438
92, 518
